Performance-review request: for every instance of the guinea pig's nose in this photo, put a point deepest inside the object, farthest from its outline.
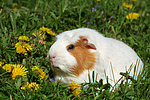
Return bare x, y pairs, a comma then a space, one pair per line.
53, 61
53, 57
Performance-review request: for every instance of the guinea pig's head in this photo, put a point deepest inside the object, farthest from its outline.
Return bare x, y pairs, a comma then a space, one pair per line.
71, 54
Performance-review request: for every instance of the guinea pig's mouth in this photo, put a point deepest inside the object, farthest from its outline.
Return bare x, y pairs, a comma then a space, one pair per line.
56, 67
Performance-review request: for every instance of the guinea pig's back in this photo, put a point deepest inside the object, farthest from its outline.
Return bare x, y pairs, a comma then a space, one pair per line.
121, 57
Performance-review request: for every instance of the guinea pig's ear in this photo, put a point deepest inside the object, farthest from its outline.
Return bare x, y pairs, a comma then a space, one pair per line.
88, 44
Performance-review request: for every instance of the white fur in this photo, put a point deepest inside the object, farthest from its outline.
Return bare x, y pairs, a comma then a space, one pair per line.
112, 56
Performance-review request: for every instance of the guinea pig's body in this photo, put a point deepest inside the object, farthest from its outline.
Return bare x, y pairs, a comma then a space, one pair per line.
78, 53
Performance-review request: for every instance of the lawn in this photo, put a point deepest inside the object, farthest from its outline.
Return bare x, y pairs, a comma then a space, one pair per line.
28, 29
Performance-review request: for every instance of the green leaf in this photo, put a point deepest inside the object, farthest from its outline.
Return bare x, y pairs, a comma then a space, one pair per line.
18, 82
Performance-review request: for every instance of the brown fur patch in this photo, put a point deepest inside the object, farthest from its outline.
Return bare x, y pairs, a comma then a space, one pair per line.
85, 59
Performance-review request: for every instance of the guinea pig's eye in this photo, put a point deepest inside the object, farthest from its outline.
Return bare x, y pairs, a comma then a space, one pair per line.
71, 47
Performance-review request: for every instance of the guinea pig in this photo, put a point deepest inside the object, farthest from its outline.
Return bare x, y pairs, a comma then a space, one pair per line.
77, 53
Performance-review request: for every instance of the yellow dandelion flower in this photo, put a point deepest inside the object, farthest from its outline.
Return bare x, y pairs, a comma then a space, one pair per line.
18, 44
134, 0
48, 31
33, 86
19, 70
8, 67
74, 85
15, 9
132, 16
35, 68
42, 75
99, 0
15, 6
43, 29
39, 34
1, 63
20, 49
42, 42
27, 46
25, 38
127, 5
32, 44
51, 33
24, 86
76, 92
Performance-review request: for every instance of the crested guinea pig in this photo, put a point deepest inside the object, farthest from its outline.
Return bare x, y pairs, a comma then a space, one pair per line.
78, 53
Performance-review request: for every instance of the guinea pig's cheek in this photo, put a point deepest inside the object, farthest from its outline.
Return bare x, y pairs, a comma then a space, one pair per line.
54, 60
54, 64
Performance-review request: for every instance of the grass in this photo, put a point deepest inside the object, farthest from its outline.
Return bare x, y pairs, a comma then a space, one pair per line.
24, 17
